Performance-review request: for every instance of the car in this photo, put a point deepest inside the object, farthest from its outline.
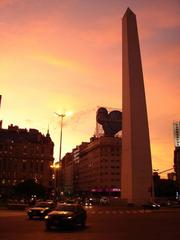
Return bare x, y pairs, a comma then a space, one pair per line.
40, 209
70, 215
104, 201
70, 201
174, 204
88, 202
151, 205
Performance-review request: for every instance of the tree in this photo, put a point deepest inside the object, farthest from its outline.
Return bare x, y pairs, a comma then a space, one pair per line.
28, 188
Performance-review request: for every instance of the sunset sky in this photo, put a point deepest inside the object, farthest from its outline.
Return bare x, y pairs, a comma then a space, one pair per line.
65, 55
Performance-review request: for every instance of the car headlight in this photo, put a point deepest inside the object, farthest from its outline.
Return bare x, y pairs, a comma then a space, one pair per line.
42, 211
69, 217
46, 217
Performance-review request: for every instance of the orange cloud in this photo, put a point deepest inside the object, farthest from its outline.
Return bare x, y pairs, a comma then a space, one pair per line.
7, 2
60, 62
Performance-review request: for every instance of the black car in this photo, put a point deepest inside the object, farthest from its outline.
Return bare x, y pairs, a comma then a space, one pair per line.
41, 209
151, 206
88, 202
66, 215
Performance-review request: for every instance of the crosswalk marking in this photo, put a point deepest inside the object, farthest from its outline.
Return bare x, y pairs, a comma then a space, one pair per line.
100, 212
89, 211
119, 212
134, 211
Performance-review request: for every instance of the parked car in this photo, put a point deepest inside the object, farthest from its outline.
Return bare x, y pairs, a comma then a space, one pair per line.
41, 209
151, 205
174, 204
66, 215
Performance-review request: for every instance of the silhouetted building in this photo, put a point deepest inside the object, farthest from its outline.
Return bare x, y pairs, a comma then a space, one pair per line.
93, 167
177, 166
171, 176
24, 155
156, 177
176, 128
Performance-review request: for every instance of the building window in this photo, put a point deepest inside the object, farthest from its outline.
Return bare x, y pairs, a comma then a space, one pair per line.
31, 166
41, 167
24, 166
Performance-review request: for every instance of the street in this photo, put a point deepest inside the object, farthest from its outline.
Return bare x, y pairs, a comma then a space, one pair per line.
103, 223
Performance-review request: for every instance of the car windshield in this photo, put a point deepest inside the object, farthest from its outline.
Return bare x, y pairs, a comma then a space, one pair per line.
68, 208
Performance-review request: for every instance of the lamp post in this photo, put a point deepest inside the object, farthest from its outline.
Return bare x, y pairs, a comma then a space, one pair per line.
61, 116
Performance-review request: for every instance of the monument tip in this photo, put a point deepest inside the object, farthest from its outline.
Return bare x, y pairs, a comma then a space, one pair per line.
129, 12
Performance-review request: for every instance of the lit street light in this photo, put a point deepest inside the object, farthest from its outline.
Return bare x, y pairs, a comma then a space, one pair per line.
61, 116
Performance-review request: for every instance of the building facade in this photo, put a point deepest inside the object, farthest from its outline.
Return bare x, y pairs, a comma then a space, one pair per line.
25, 155
93, 167
177, 167
67, 173
176, 130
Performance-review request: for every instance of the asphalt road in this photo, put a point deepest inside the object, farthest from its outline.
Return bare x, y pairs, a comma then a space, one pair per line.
103, 224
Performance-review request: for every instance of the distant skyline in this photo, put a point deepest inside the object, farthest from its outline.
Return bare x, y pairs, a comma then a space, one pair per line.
59, 56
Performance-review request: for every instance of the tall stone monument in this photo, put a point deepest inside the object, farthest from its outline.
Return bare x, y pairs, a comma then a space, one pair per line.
136, 169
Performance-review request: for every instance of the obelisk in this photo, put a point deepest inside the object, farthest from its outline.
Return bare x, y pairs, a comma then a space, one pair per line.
136, 169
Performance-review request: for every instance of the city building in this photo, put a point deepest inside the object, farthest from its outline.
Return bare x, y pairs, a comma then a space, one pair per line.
164, 189
25, 154
176, 128
171, 176
67, 173
94, 167
177, 166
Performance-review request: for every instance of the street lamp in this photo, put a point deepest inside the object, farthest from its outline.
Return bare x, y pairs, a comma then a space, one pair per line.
61, 116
